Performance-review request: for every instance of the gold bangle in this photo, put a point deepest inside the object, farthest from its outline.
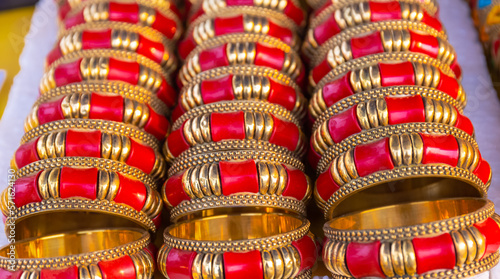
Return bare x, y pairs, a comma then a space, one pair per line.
70, 255
395, 240
274, 243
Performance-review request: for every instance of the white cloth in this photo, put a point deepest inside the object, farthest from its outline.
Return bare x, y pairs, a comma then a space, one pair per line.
483, 107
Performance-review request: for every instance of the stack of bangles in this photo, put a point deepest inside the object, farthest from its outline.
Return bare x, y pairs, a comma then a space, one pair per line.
204, 110
400, 178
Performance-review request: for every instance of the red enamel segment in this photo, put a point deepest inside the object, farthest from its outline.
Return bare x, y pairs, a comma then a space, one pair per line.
463, 123
122, 268
448, 85
96, 39
178, 112
157, 125
325, 185
243, 265
237, 177
213, 58
426, 44
67, 273
397, 74
282, 33
53, 55
186, 46
343, 125
320, 71
228, 25
141, 156
78, 183
283, 95
131, 192
366, 45
124, 12
295, 13
167, 94
216, 90
285, 134
68, 73
381, 11
432, 21
239, 2
326, 30
227, 126
337, 90
434, 253
165, 25
26, 190
176, 142
123, 71
405, 109
51, 111
373, 157
64, 9
7, 274
269, 57
363, 259
153, 50
313, 157
440, 149
83, 143
106, 107
74, 20
483, 171
179, 264
296, 184
491, 232
455, 67
174, 190
307, 251
26, 154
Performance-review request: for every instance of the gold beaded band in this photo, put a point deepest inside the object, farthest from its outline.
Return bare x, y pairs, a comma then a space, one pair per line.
113, 251
464, 231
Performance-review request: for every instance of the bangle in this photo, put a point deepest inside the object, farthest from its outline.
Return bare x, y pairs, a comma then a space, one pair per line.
238, 125
385, 41
231, 246
244, 24
326, 6
113, 253
371, 79
110, 69
110, 107
389, 111
138, 12
284, 10
96, 144
235, 87
426, 165
243, 52
234, 150
337, 19
112, 40
413, 239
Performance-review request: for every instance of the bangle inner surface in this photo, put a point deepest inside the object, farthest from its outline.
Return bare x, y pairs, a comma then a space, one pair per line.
73, 243
231, 227
407, 214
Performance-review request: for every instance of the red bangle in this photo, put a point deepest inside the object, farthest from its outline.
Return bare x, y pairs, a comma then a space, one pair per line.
76, 143
290, 8
113, 39
101, 106
215, 127
382, 42
259, 54
220, 26
241, 87
164, 20
383, 75
386, 111
236, 177
110, 69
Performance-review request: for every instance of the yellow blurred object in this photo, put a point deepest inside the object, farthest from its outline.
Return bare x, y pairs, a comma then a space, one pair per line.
14, 25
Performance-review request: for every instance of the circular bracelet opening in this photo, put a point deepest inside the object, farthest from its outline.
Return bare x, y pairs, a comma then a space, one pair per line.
234, 227
73, 243
407, 214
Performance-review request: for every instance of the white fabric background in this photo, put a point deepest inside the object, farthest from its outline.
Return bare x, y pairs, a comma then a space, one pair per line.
483, 107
